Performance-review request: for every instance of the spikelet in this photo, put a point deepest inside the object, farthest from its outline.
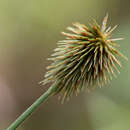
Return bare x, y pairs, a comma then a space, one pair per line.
87, 58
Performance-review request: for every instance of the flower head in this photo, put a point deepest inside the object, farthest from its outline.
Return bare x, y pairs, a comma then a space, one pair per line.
88, 57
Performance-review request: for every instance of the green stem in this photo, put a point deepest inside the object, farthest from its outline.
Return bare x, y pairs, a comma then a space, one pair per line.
36, 104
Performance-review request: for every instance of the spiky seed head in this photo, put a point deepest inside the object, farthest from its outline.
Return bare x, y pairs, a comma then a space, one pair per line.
87, 58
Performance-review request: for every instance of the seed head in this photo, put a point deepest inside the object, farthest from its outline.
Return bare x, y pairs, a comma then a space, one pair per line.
88, 57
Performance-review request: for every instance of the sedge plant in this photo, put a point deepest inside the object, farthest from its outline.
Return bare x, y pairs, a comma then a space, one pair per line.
87, 58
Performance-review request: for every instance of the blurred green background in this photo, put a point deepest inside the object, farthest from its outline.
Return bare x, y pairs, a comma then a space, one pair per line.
29, 30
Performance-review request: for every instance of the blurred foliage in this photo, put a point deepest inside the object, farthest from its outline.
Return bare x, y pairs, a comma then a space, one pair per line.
29, 31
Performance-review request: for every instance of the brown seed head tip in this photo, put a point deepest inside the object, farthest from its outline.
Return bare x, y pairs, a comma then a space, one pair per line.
88, 57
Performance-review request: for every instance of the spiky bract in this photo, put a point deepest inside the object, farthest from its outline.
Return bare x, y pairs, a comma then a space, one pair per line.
88, 57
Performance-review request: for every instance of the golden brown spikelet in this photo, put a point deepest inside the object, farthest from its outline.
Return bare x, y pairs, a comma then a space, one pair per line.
87, 58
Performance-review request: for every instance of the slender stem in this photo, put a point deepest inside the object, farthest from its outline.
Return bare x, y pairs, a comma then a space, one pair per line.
28, 112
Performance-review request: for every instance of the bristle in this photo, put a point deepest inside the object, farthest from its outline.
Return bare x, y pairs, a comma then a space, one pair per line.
104, 23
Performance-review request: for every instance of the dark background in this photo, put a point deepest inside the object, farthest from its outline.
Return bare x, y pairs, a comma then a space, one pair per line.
29, 30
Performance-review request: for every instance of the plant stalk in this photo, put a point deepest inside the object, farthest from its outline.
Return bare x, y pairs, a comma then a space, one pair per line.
32, 108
